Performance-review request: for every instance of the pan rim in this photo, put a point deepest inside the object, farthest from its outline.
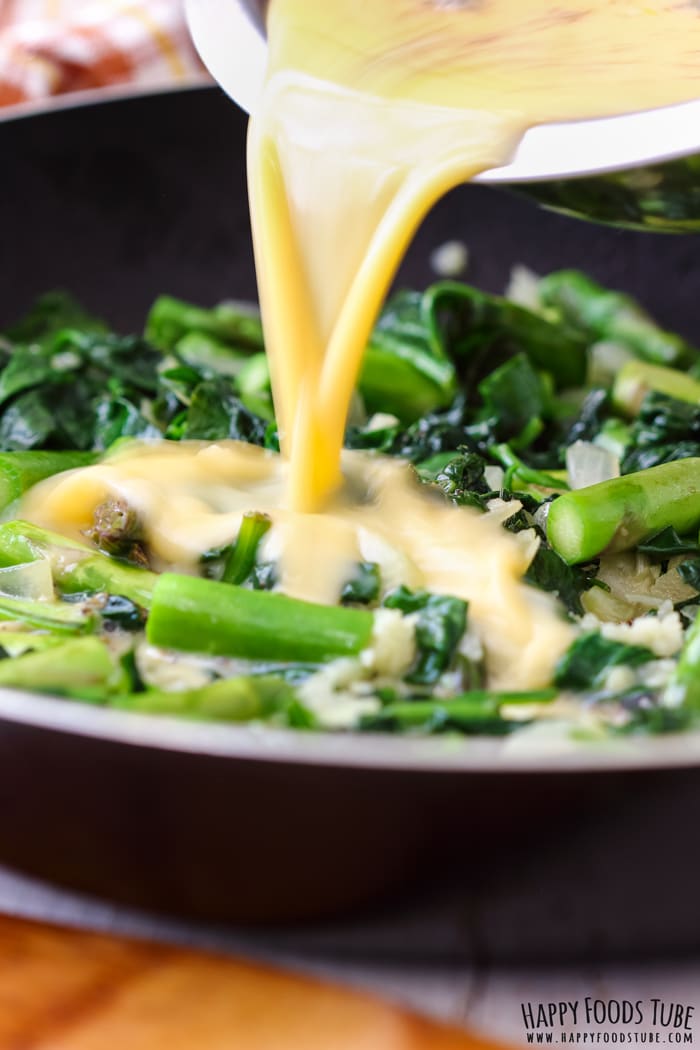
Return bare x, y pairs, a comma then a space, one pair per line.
368, 751
379, 752
106, 95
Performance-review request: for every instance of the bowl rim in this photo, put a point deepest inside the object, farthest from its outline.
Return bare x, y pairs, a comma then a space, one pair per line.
557, 150
368, 751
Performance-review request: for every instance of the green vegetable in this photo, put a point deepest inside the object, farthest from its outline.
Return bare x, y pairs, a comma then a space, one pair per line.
587, 662
474, 712
364, 586
683, 690
519, 475
516, 394
102, 574
117, 530
50, 314
462, 479
82, 668
689, 572
14, 643
20, 470
637, 379
242, 555
198, 615
601, 314
666, 429
75, 566
234, 323
551, 573
256, 698
205, 353
616, 515
442, 621
667, 543
59, 617
406, 371
473, 326
217, 413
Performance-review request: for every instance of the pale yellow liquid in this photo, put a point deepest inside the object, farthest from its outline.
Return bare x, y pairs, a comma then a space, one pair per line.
372, 110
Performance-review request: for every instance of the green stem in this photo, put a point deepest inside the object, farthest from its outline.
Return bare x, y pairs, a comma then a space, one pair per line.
75, 566
245, 699
613, 316
58, 617
198, 615
82, 668
235, 323
99, 573
683, 690
616, 515
637, 379
241, 558
471, 711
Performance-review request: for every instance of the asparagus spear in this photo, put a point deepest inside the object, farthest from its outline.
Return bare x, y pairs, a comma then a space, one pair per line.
637, 378
100, 573
197, 615
58, 617
20, 542
476, 711
243, 699
20, 470
683, 690
235, 323
203, 351
615, 515
15, 643
613, 316
241, 558
74, 565
83, 668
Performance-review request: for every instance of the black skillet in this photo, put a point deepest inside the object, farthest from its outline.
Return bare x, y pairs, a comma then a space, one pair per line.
587, 854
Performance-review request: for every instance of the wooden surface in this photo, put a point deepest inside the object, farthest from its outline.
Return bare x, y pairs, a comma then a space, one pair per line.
65, 989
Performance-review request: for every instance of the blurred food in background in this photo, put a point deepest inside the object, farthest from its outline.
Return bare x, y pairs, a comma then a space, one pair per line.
51, 47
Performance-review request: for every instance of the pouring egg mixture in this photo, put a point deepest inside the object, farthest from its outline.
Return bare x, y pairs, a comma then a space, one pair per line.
461, 512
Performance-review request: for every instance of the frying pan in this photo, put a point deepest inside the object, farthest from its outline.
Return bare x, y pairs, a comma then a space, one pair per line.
580, 853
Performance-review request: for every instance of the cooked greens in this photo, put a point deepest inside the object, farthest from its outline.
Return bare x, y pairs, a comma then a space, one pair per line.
575, 419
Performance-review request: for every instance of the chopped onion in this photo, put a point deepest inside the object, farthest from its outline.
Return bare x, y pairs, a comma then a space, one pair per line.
524, 288
494, 476
588, 464
605, 360
450, 259
30, 580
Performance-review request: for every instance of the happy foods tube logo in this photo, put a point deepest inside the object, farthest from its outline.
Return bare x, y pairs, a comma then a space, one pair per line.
608, 1021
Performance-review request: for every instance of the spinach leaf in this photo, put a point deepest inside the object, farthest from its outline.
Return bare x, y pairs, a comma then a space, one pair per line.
237, 324
442, 621
514, 395
364, 586
474, 327
49, 314
406, 371
217, 413
666, 429
594, 411
689, 572
667, 543
587, 661
550, 572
